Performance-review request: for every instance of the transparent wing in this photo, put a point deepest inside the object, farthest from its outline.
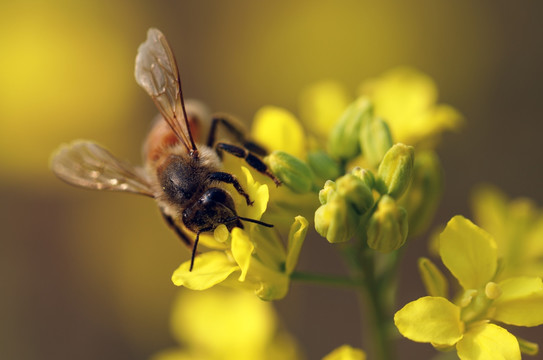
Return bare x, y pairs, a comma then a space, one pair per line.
156, 72
86, 164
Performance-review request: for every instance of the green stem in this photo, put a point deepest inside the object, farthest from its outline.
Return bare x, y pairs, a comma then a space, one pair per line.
378, 314
324, 279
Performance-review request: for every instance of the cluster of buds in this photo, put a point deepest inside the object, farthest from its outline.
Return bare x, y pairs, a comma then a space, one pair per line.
361, 203
368, 185
364, 202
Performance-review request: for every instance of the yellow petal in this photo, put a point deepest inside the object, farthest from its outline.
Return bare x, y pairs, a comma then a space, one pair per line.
277, 129
242, 249
223, 323
259, 195
468, 252
406, 98
490, 209
210, 268
346, 352
321, 106
521, 302
272, 284
518, 287
296, 238
488, 342
430, 319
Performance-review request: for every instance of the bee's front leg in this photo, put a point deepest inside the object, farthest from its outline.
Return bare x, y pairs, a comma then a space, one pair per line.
230, 179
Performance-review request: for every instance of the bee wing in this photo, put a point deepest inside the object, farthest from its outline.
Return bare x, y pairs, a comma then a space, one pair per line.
86, 164
157, 73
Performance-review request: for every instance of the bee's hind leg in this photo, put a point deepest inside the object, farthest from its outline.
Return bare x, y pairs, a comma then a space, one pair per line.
251, 159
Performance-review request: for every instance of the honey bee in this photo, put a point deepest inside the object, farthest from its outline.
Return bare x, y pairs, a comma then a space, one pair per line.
181, 176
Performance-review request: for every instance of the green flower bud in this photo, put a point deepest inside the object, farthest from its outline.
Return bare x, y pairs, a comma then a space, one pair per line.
422, 197
395, 171
344, 142
434, 280
375, 139
387, 227
327, 191
365, 175
353, 190
336, 220
323, 165
528, 347
292, 172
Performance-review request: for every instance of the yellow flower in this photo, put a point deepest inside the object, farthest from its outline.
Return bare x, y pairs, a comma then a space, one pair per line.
321, 105
279, 130
253, 258
346, 352
406, 99
468, 323
517, 227
243, 328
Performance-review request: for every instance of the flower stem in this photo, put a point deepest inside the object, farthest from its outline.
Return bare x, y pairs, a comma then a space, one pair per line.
376, 274
324, 279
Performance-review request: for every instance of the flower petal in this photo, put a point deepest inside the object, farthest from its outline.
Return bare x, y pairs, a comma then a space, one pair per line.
488, 342
322, 104
468, 252
346, 352
296, 238
210, 268
406, 98
277, 129
519, 287
521, 302
259, 195
242, 250
430, 319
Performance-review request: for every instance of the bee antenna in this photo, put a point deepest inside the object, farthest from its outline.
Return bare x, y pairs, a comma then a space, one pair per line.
255, 221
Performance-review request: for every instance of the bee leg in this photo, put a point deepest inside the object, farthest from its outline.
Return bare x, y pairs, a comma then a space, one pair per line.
251, 159
238, 133
182, 236
230, 179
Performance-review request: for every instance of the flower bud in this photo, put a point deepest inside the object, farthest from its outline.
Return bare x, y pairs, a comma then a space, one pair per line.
387, 227
323, 165
336, 220
344, 142
422, 197
353, 190
434, 280
395, 171
292, 172
327, 191
365, 175
528, 347
375, 139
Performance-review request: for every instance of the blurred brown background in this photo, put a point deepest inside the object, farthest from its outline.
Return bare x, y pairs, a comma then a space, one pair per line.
86, 275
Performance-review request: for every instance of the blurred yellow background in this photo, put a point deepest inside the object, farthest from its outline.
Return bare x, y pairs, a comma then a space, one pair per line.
86, 275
